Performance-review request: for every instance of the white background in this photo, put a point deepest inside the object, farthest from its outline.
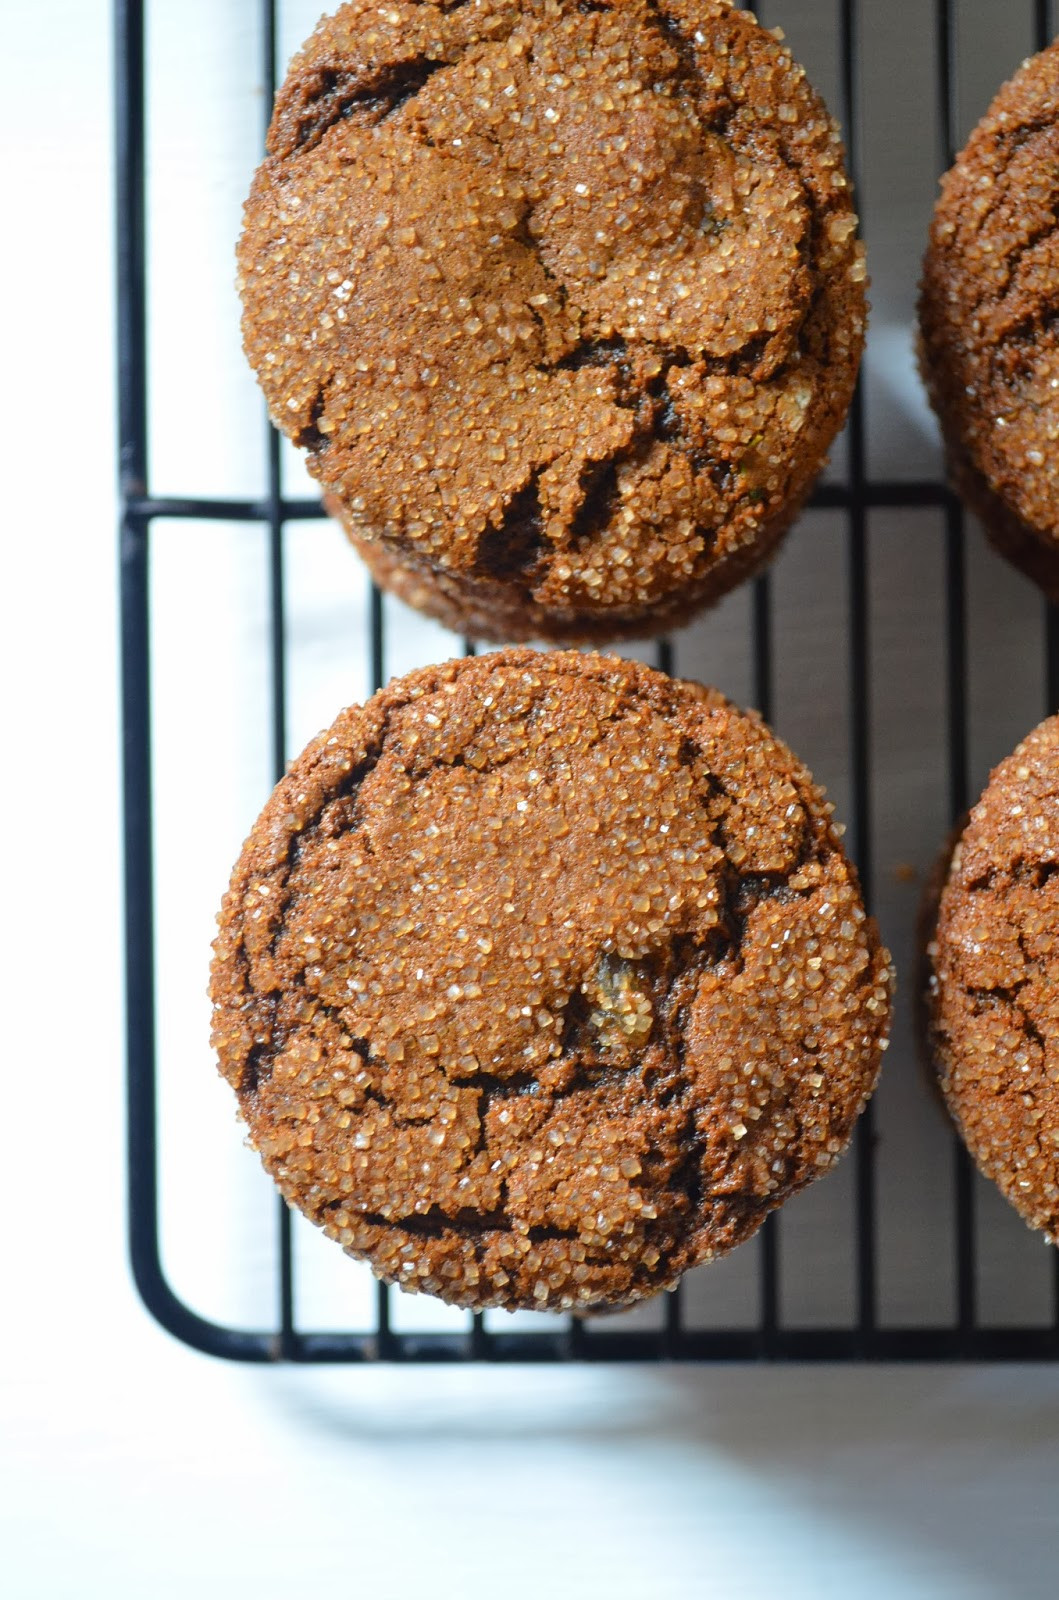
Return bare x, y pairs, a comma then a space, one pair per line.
130, 1466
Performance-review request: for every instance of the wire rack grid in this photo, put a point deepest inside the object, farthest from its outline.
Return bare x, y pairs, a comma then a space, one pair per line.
854, 498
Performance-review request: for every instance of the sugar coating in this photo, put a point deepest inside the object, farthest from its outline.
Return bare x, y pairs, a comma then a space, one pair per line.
994, 980
564, 301
494, 609
543, 978
989, 342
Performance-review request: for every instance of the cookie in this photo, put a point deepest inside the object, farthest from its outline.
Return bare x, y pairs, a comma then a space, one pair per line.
925, 950
543, 978
993, 989
989, 340
564, 301
492, 610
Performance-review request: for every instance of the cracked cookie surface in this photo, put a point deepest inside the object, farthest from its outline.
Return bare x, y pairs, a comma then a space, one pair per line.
543, 978
564, 301
993, 995
989, 319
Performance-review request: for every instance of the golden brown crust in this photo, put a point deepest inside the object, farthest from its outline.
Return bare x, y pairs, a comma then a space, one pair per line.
994, 981
1037, 558
492, 610
988, 319
926, 928
564, 301
543, 978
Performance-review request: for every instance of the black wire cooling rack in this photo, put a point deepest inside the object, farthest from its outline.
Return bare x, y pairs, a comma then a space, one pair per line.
854, 499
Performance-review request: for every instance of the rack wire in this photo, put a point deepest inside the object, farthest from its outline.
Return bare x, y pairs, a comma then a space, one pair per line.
854, 498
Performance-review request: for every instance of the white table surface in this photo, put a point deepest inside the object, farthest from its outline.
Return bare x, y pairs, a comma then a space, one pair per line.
130, 1466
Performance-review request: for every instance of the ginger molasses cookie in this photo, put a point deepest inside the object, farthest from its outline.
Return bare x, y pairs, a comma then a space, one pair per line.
925, 951
993, 994
564, 301
989, 337
543, 978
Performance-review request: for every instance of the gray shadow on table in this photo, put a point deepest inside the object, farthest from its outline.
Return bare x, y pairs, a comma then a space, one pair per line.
913, 1461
